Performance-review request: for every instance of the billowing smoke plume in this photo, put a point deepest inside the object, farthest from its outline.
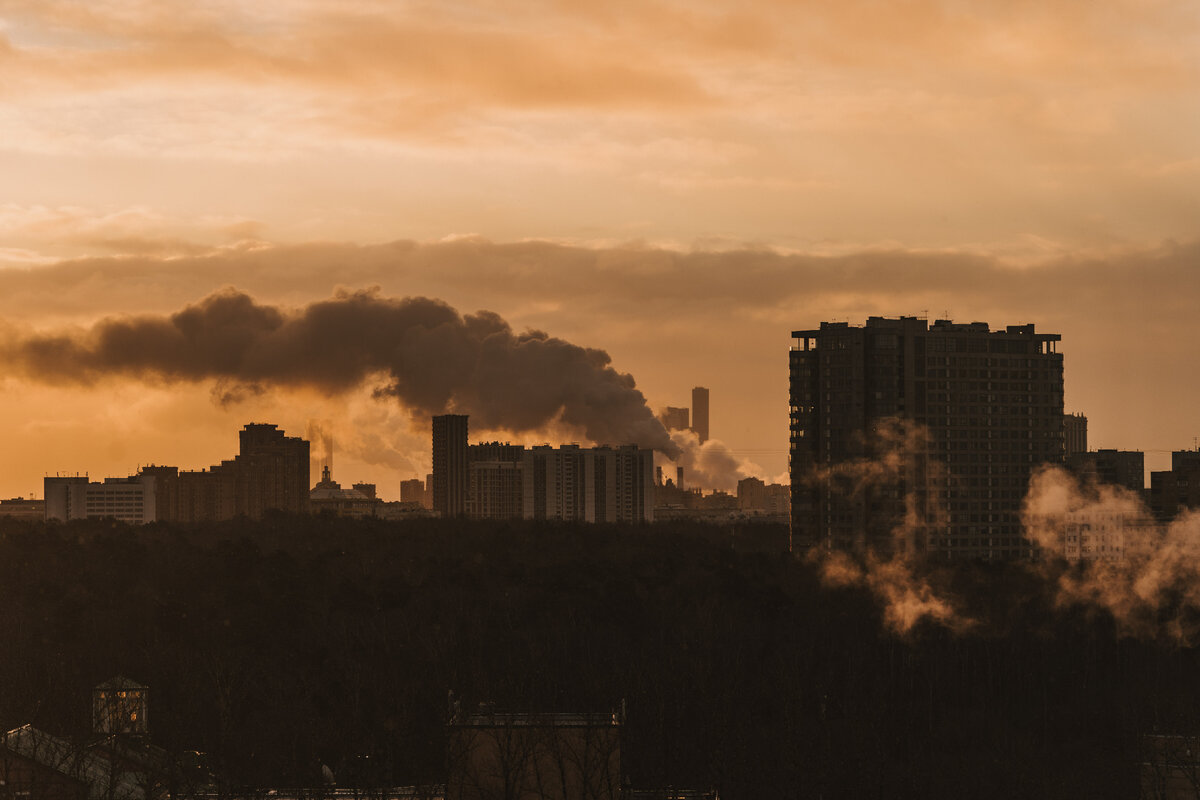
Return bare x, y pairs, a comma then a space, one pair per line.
1145, 574
711, 464
422, 352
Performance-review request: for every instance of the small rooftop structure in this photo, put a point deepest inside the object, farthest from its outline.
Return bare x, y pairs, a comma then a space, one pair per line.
119, 707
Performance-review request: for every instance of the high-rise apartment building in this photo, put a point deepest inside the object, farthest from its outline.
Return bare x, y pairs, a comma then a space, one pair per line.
700, 413
450, 465
600, 484
568, 483
496, 481
412, 491
910, 435
675, 419
272, 471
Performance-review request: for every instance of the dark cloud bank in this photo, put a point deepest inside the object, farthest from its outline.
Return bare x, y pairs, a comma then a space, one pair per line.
424, 354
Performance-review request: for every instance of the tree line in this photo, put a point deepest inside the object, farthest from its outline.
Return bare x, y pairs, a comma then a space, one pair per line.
282, 646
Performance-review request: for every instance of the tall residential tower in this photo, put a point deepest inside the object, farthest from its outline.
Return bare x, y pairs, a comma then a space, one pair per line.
910, 435
450, 465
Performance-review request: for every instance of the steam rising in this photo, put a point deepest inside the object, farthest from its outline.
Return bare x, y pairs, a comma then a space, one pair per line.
1145, 574
889, 568
421, 352
710, 464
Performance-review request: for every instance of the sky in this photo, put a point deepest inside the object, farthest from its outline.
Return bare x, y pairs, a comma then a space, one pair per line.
677, 184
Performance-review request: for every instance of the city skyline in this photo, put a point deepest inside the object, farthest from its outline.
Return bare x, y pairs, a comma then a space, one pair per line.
232, 398
681, 202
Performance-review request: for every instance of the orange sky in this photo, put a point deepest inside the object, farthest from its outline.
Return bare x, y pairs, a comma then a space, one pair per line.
680, 184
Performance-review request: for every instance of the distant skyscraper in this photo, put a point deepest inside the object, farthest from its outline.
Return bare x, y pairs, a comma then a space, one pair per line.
450, 465
700, 413
674, 419
412, 491
1075, 433
986, 407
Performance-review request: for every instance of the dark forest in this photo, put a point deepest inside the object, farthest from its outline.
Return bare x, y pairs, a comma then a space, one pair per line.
279, 646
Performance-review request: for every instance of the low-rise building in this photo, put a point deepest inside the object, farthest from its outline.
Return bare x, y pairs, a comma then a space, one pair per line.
22, 508
129, 499
328, 496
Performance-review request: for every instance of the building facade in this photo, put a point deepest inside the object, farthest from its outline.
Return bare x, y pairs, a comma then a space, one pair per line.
906, 435
22, 508
497, 481
450, 465
272, 471
675, 419
412, 491
130, 500
328, 497
1124, 468
600, 484
1175, 491
700, 413
1075, 436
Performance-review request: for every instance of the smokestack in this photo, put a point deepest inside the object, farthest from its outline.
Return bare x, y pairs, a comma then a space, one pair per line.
679, 477
658, 476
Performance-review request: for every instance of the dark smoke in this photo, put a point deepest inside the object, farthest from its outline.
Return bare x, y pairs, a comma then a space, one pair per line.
423, 352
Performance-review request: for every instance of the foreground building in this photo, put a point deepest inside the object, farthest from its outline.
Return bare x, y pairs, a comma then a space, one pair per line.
906, 435
115, 761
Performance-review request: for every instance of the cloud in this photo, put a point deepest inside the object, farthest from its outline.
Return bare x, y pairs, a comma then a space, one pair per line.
136, 230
